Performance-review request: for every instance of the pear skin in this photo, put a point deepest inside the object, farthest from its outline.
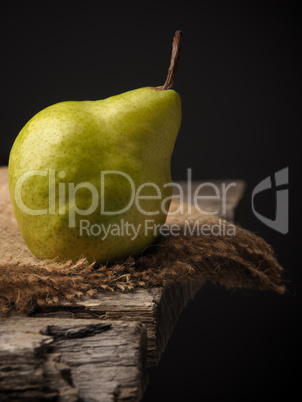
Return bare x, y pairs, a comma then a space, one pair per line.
93, 178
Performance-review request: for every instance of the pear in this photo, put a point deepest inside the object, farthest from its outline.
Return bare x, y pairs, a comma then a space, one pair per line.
93, 178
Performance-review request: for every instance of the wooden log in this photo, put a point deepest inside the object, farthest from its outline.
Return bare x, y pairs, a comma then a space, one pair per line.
70, 360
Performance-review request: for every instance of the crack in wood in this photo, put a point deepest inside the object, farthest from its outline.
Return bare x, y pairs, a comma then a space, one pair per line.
65, 332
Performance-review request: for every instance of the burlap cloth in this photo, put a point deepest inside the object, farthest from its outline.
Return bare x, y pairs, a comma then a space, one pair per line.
243, 260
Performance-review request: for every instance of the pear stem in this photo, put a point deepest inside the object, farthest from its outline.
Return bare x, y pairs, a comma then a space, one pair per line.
176, 47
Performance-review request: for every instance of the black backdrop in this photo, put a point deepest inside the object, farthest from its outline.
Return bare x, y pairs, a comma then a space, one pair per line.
239, 82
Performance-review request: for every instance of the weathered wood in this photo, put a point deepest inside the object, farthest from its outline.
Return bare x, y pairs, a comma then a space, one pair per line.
158, 309
70, 360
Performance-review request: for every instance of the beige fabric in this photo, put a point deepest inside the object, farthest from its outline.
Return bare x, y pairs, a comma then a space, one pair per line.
243, 260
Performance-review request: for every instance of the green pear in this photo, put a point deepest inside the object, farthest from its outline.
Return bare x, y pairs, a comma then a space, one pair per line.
92, 178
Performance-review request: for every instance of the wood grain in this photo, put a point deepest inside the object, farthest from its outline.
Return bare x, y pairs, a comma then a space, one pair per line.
158, 309
70, 360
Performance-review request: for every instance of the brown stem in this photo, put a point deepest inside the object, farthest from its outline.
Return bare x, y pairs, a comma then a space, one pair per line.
176, 46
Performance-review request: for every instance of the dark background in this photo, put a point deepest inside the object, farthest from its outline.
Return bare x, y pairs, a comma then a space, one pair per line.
240, 86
